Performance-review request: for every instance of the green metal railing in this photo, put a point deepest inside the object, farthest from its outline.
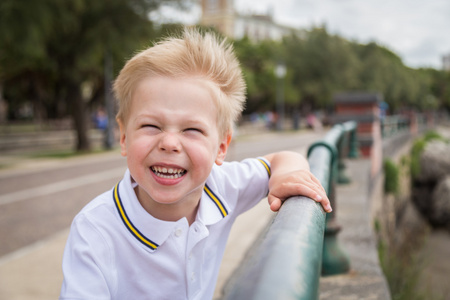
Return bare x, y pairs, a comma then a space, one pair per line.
340, 142
392, 125
300, 244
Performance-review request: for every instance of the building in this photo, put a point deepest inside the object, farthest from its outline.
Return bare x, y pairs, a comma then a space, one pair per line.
446, 62
222, 15
219, 14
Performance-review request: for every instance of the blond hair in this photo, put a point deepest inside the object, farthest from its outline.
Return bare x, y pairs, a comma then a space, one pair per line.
193, 54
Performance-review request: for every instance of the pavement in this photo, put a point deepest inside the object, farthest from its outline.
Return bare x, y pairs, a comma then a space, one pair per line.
365, 280
34, 272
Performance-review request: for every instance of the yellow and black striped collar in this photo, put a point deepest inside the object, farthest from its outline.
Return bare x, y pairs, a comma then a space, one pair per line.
127, 222
150, 244
223, 210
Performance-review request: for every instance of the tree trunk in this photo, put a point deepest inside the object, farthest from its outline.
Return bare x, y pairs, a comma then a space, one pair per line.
3, 106
80, 119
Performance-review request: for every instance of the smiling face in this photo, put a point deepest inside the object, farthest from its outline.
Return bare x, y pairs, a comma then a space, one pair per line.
171, 140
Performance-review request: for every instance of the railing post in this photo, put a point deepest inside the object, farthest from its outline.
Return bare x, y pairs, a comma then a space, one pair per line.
334, 260
353, 143
342, 176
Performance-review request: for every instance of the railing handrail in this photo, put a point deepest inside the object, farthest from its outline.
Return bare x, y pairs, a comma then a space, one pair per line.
286, 264
288, 260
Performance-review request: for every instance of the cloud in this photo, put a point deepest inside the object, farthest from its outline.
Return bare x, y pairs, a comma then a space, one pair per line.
417, 30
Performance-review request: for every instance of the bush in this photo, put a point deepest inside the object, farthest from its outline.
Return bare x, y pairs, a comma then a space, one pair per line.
417, 150
391, 177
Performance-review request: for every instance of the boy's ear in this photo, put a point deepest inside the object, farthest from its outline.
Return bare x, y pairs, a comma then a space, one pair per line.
123, 145
223, 147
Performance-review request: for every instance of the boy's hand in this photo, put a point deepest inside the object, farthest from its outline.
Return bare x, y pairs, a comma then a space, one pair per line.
296, 183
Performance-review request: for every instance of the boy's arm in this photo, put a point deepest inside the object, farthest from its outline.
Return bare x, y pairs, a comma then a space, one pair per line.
290, 176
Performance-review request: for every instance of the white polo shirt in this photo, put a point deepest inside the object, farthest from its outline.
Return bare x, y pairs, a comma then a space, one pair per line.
116, 250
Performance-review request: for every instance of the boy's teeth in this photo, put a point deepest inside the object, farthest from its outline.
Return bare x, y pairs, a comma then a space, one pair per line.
170, 173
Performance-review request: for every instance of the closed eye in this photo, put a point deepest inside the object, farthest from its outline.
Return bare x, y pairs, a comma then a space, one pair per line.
193, 129
151, 127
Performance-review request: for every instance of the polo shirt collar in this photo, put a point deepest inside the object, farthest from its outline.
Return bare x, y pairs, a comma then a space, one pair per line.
152, 232
212, 208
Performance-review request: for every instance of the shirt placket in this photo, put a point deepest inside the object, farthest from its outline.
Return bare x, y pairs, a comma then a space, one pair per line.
194, 258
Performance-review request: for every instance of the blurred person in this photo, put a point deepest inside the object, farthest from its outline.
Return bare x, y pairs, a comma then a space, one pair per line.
101, 119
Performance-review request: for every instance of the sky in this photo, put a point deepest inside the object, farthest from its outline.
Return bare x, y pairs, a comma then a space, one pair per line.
416, 30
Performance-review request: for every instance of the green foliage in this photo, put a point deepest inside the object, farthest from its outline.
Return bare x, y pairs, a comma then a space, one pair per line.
50, 49
377, 226
417, 149
432, 135
439, 85
320, 64
258, 61
391, 177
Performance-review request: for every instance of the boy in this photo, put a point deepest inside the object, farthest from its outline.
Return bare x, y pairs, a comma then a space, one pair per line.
161, 232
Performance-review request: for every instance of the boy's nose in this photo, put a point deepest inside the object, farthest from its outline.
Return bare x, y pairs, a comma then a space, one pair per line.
169, 142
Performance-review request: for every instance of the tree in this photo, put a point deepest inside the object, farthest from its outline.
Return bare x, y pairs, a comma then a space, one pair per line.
53, 48
439, 86
322, 64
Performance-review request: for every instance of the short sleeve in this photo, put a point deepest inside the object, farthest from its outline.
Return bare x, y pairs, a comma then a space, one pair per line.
245, 182
84, 255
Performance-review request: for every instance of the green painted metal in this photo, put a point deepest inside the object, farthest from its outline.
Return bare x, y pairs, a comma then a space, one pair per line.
343, 177
340, 141
334, 260
287, 262
354, 147
347, 147
350, 129
301, 244
394, 124
331, 162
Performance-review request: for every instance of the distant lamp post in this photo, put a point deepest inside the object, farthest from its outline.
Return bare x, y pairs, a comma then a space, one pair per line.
280, 72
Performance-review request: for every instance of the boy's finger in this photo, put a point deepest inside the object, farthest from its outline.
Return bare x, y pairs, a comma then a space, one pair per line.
321, 197
326, 206
307, 189
274, 203
323, 200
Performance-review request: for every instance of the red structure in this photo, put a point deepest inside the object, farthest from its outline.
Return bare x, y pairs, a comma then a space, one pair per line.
364, 108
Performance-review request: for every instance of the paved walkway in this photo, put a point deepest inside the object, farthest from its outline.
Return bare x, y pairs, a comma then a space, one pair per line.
365, 279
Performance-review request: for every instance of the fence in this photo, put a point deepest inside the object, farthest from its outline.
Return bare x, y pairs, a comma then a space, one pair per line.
300, 244
412, 123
